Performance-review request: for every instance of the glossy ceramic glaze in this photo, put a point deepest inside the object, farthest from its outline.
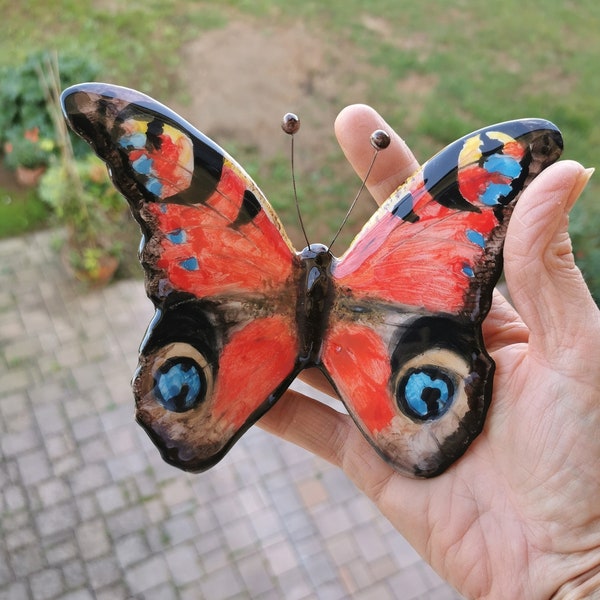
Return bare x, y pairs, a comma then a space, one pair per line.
395, 323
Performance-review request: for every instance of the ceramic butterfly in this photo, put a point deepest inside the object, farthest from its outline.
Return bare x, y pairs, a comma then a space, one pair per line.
395, 323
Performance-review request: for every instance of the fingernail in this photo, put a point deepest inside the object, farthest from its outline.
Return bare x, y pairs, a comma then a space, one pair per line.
579, 186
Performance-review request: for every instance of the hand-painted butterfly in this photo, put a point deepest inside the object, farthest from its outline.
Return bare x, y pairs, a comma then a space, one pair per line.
395, 323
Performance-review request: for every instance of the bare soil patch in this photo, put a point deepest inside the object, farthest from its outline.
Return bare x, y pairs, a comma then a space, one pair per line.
240, 80
243, 78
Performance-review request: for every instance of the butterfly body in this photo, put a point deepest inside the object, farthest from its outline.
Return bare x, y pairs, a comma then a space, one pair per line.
394, 323
315, 298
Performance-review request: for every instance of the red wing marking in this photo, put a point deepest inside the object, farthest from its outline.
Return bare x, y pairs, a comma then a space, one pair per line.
359, 364
204, 253
424, 263
172, 159
253, 364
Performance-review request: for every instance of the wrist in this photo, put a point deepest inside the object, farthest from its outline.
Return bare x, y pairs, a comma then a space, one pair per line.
586, 585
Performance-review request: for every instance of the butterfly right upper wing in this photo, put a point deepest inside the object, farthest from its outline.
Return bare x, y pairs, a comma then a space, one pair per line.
404, 347
223, 344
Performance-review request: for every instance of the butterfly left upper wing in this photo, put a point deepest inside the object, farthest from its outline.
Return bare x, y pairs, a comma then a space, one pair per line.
404, 347
219, 270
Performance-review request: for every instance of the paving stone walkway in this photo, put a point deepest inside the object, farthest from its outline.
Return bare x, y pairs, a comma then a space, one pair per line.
89, 510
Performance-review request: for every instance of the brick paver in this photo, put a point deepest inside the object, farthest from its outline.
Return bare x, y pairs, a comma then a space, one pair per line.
89, 510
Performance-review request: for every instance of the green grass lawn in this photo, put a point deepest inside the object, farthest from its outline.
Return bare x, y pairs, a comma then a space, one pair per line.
436, 69
485, 61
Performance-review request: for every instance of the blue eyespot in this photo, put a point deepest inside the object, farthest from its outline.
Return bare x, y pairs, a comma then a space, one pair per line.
475, 237
177, 236
133, 140
425, 393
143, 165
154, 186
179, 384
190, 264
495, 193
505, 165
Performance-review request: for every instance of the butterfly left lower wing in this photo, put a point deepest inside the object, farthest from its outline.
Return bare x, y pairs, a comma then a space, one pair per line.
219, 270
404, 347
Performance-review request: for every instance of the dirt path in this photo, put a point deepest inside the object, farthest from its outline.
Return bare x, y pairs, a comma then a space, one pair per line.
242, 79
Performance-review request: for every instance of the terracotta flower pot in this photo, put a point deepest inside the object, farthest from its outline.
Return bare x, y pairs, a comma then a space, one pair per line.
101, 276
29, 177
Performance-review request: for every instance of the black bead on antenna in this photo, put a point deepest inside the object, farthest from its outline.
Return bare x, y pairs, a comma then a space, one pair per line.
290, 123
380, 139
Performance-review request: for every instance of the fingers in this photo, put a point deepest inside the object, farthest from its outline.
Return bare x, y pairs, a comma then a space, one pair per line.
331, 435
547, 288
503, 326
336, 438
308, 423
321, 430
316, 379
353, 127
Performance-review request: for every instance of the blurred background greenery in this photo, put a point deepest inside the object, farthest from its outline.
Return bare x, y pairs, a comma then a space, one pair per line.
436, 70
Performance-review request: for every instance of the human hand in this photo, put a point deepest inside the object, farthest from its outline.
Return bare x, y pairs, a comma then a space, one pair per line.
518, 516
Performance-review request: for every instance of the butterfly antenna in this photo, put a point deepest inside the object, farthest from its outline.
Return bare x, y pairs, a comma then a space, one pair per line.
291, 124
380, 140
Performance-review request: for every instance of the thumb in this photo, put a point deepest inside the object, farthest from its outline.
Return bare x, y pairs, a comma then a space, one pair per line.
546, 286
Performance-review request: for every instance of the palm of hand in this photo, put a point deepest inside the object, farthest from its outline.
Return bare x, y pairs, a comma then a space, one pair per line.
518, 515
517, 506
